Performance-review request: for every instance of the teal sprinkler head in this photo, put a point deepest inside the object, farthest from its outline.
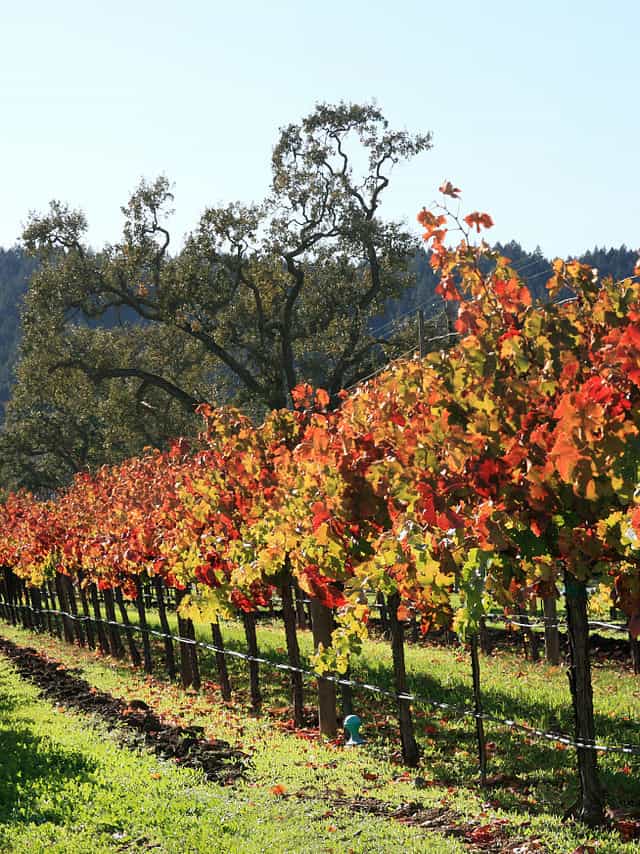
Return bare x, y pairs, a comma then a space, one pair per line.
352, 724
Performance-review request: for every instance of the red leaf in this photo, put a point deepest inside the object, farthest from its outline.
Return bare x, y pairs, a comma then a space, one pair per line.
479, 220
403, 612
322, 398
279, 790
447, 189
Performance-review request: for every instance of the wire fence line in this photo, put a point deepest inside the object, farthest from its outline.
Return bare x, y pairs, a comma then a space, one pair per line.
542, 622
518, 620
412, 697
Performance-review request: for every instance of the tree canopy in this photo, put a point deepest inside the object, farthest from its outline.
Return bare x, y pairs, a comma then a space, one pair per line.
276, 293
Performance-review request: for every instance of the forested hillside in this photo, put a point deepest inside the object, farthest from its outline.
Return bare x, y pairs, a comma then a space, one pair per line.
16, 268
534, 268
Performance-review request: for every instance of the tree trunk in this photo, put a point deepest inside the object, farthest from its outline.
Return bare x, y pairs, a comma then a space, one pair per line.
477, 707
293, 650
551, 632
221, 662
590, 809
322, 626
142, 618
169, 657
410, 752
249, 621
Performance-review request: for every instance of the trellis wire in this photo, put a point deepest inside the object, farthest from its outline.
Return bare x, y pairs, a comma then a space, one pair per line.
418, 699
534, 621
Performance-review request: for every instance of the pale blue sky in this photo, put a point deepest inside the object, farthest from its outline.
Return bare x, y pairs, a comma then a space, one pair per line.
534, 106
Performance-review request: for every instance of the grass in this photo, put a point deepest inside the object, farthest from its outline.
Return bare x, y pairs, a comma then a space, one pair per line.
539, 779
68, 787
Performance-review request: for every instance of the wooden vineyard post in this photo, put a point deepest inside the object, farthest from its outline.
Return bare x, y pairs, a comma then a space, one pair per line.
47, 608
73, 607
346, 691
23, 598
322, 626
55, 607
67, 628
249, 620
95, 603
6, 606
36, 604
169, 657
635, 653
221, 662
142, 618
590, 808
422, 346
124, 616
11, 599
551, 632
483, 636
410, 751
91, 640
15, 598
301, 614
530, 636
477, 707
293, 650
3, 592
189, 668
115, 641
346, 698
384, 615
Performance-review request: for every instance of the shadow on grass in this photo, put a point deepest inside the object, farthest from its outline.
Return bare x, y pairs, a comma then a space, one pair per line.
32, 769
449, 739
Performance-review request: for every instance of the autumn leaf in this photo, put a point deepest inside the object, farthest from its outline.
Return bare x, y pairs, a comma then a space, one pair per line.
447, 189
278, 790
369, 775
403, 613
478, 220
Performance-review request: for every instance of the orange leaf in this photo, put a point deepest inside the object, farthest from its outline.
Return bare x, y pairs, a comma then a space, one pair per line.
322, 398
403, 612
479, 220
279, 790
447, 189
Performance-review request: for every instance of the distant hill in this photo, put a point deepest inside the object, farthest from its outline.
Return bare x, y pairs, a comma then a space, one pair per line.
533, 267
16, 269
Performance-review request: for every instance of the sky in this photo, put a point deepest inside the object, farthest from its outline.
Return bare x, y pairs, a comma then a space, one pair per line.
533, 106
